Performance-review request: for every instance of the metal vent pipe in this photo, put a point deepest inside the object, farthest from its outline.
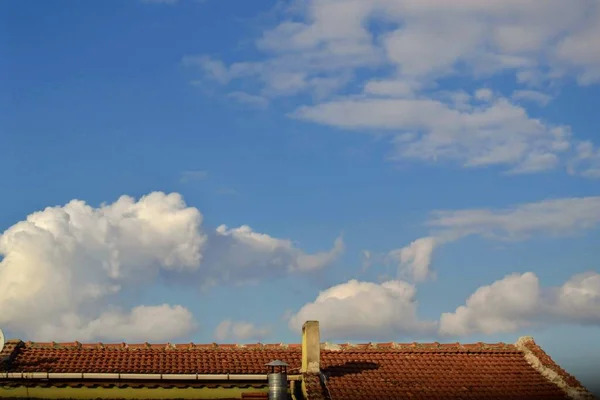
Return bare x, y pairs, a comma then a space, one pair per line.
278, 386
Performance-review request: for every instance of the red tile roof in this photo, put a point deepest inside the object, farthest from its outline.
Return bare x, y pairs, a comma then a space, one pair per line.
372, 371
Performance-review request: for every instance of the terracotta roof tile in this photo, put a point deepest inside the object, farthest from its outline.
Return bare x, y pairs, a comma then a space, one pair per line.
366, 371
143, 358
430, 371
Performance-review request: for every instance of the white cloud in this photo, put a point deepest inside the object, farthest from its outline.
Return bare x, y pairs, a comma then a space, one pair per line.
557, 217
214, 69
484, 94
67, 260
364, 310
140, 324
415, 259
239, 330
311, 262
504, 306
496, 133
390, 87
548, 217
68, 263
369, 311
366, 260
578, 299
402, 48
517, 301
581, 48
250, 254
586, 160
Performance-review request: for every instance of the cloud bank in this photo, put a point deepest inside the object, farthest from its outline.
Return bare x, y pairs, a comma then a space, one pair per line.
388, 311
64, 267
518, 301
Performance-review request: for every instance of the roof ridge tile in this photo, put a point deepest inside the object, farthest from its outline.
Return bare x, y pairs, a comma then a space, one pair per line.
540, 361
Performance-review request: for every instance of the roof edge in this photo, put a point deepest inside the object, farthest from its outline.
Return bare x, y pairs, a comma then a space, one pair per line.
550, 370
11, 348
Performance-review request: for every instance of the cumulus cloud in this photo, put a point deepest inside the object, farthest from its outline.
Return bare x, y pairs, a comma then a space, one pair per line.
66, 260
63, 266
365, 310
556, 217
229, 330
388, 311
518, 301
398, 51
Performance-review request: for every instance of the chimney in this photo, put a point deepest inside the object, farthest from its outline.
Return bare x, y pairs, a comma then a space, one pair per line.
311, 347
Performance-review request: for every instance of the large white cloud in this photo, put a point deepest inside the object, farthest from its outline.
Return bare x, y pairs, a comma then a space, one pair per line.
556, 217
518, 301
365, 310
398, 50
388, 311
140, 324
63, 266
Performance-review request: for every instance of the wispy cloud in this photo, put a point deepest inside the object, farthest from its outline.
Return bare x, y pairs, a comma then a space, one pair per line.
482, 132
225, 191
193, 175
534, 96
160, 1
249, 99
557, 217
320, 47
229, 330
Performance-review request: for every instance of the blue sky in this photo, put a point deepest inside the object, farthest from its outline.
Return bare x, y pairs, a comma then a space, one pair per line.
306, 123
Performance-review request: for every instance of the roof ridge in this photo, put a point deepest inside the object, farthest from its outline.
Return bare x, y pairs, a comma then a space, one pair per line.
544, 365
252, 346
158, 346
416, 345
